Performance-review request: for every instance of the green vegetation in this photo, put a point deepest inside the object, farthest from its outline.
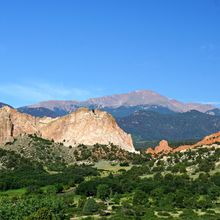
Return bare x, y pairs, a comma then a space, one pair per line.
177, 186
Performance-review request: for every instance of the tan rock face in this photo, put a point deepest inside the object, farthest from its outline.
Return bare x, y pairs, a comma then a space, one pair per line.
13, 123
80, 127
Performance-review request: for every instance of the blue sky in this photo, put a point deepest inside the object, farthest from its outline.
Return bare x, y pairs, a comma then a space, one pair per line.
76, 49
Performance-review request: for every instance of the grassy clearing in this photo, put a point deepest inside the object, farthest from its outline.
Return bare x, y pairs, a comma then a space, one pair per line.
146, 176
13, 192
109, 166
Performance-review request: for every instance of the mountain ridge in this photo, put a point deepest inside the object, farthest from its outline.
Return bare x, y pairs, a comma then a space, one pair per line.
4, 104
135, 98
153, 126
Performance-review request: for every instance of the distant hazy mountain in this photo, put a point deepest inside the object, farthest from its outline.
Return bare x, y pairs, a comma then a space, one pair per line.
215, 112
3, 104
119, 112
65, 106
145, 125
124, 111
146, 97
119, 105
42, 112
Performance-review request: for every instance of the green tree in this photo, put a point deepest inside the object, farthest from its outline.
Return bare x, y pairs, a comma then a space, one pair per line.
90, 207
103, 191
140, 198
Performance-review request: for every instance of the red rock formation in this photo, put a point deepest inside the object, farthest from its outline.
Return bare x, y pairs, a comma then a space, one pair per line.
150, 151
183, 148
164, 148
211, 139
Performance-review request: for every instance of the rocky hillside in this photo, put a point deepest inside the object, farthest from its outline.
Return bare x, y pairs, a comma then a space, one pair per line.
80, 127
52, 156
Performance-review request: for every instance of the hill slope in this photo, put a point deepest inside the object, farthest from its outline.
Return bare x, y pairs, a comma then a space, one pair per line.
181, 126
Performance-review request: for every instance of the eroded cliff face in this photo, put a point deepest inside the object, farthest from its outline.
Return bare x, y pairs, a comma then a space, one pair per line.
80, 127
87, 127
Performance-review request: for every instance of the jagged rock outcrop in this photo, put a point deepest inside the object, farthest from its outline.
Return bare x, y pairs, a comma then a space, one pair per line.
80, 127
164, 148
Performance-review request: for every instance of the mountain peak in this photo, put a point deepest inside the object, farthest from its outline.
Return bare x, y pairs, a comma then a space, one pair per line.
134, 98
146, 91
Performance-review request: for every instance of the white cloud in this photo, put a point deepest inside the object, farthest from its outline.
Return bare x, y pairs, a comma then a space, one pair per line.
35, 92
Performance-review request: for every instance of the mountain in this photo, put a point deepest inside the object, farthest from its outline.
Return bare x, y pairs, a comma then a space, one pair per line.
137, 99
80, 127
65, 106
42, 112
119, 112
146, 97
3, 104
215, 111
124, 111
152, 126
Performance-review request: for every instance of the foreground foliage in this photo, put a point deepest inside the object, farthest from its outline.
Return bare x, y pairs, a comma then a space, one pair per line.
176, 186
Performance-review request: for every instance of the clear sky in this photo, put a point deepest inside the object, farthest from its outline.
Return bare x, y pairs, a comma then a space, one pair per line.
76, 49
